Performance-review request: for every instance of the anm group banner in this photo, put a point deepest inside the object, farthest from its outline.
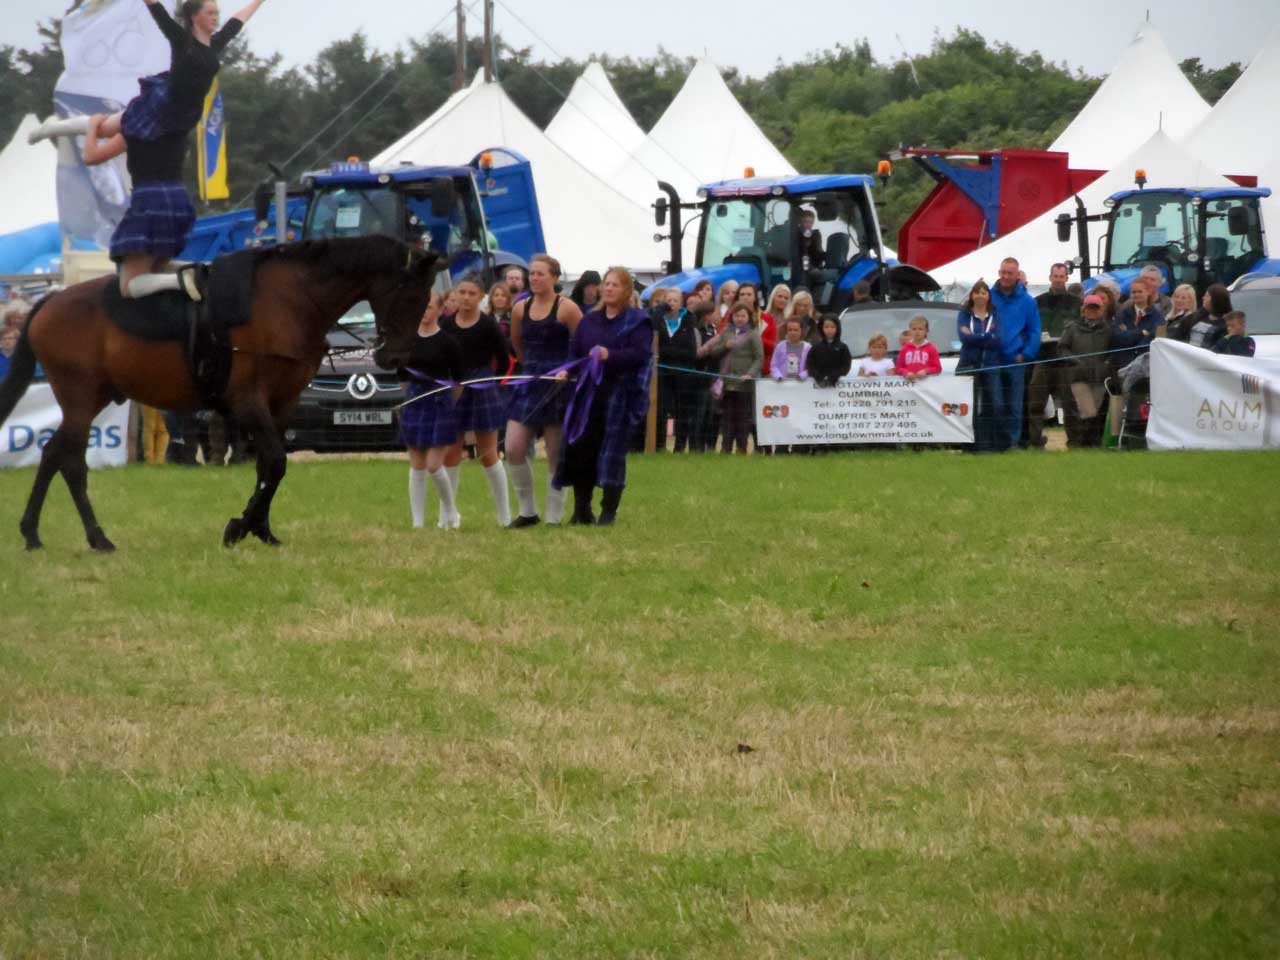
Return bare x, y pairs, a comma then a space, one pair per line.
936, 409
1207, 401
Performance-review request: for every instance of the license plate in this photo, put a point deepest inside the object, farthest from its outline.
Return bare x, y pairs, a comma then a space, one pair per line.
360, 418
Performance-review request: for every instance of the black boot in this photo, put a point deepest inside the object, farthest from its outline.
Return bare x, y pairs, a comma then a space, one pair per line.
582, 493
609, 505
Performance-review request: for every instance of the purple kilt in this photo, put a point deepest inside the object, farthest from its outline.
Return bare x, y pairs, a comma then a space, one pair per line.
157, 223
481, 407
539, 403
432, 422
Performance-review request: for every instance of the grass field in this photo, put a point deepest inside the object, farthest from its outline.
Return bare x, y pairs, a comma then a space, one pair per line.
867, 705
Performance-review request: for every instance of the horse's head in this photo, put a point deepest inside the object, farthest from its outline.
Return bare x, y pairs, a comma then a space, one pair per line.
399, 299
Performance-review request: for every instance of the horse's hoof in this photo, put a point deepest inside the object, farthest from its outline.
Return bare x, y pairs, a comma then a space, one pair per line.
98, 541
264, 534
234, 532
33, 542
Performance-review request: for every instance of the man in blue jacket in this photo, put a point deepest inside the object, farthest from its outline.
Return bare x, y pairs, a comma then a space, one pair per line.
1018, 323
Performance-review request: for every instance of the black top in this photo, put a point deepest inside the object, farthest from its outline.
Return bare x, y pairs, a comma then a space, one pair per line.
482, 344
156, 160
192, 65
437, 356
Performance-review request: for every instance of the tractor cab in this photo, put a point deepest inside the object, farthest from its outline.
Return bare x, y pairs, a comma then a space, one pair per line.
1200, 237
816, 232
437, 208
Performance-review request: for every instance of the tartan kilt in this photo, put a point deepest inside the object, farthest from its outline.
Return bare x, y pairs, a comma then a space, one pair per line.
628, 405
481, 409
157, 223
146, 116
539, 403
432, 422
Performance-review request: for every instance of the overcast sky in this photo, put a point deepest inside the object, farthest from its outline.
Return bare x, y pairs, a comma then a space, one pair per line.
750, 34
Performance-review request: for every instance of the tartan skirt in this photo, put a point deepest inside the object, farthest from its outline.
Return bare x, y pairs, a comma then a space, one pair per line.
157, 223
481, 409
539, 403
432, 422
146, 117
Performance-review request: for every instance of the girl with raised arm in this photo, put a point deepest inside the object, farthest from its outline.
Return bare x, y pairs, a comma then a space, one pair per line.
153, 131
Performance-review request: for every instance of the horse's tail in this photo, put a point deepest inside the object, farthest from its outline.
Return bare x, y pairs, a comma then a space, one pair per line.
22, 367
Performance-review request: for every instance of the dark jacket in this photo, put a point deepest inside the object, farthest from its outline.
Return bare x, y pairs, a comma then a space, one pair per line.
1081, 338
1056, 311
681, 348
1209, 340
829, 360
1131, 336
980, 347
1179, 328
1236, 346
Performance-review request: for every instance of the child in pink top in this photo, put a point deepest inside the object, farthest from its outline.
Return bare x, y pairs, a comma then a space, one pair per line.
918, 357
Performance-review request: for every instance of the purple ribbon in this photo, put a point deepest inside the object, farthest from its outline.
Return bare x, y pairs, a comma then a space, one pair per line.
579, 411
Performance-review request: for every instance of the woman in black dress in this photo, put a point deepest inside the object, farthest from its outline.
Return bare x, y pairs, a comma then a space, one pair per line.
429, 426
480, 409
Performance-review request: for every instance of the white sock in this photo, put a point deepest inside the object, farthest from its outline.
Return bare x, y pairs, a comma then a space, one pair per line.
555, 500
446, 516
522, 480
497, 477
448, 512
418, 497
146, 284
55, 127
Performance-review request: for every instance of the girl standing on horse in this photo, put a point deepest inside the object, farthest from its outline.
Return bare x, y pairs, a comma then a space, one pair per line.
153, 131
540, 330
480, 409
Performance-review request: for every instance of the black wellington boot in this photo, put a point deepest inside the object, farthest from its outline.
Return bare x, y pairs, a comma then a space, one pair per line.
609, 505
582, 494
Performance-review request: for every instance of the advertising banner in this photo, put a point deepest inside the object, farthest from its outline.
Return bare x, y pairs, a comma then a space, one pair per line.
37, 416
865, 410
1202, 400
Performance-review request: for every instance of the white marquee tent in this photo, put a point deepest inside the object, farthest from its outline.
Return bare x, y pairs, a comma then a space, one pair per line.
593, 124
703, 136
587, 224
1146, 91
1239, 135
29, 174
1035, 244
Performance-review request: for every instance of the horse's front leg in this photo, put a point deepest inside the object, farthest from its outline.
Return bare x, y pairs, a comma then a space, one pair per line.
272, 462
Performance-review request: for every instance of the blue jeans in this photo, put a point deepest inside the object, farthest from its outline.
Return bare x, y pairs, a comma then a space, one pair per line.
1009, 389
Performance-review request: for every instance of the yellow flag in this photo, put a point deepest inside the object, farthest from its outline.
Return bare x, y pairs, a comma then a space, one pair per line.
212, 148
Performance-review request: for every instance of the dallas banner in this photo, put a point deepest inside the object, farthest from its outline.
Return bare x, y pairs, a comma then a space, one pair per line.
1208, 401
33, 421
865, 410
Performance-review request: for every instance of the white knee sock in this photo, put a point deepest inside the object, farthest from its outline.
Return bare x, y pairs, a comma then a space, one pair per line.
54, 127
522, 480
497, 477
555, 500
146, 284
448, 511
418, 496
446, 518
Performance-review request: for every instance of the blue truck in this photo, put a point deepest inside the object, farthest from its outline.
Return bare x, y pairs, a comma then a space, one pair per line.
755, 229
1200, 237
482, 216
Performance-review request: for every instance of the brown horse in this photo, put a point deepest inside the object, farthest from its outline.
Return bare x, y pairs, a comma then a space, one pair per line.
299, 292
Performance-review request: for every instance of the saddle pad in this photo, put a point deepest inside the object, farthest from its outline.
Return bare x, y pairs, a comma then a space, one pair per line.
161, 316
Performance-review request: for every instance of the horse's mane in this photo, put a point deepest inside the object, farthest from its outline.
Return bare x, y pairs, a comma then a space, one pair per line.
372, 254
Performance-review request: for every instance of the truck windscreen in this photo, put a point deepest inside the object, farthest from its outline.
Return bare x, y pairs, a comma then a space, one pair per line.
351, 212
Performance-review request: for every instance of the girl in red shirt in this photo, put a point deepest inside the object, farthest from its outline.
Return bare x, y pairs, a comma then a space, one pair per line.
918, 358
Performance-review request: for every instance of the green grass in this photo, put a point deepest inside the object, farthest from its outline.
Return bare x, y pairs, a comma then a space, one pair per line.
998, 707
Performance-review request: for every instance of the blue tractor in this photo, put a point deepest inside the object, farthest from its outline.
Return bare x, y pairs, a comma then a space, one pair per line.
820, 232
482, 216
1200, 237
